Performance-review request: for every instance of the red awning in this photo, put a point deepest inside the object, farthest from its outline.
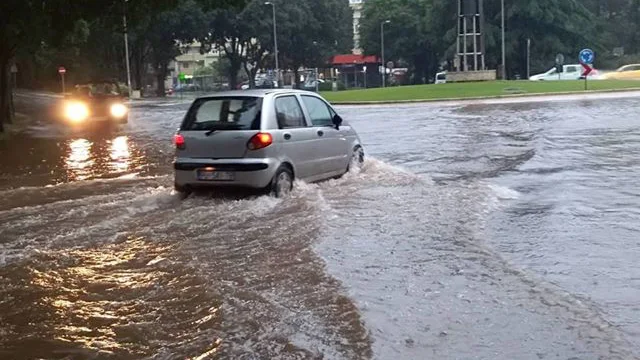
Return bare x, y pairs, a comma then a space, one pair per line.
354, 59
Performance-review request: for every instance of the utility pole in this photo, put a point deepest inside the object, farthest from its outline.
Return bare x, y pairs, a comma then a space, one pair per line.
126, 47
275, 40
504, 62
384, 66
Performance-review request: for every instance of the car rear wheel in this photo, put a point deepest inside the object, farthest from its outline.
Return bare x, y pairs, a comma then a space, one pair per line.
282, 183
183, 191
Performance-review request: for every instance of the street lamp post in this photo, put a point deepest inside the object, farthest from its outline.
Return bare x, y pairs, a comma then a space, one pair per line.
126, 46
504, 62
275, 40
384, 69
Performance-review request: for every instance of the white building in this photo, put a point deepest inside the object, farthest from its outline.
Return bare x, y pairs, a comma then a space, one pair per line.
356, 6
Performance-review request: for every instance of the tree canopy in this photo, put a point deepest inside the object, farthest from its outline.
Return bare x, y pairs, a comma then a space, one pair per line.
423, 32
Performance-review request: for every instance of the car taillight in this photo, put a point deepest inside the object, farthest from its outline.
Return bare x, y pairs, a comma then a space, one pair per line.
259, 141
178, 139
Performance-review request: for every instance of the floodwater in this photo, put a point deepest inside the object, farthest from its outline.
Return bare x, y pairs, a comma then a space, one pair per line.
478, 231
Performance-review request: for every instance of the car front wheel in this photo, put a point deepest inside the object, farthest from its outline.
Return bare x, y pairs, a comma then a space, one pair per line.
357, 159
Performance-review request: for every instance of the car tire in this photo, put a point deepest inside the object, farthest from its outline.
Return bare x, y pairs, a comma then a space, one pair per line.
282, 183
183, 191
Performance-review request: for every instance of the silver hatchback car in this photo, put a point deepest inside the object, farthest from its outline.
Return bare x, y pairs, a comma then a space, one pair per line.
262, 139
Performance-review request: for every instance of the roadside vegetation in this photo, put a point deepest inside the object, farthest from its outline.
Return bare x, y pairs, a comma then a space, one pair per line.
475, 89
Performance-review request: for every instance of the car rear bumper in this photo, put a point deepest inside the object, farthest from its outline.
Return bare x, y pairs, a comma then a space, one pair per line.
250, 173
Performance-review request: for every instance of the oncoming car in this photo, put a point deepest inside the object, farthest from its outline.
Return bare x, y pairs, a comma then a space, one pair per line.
100, 101
262, 139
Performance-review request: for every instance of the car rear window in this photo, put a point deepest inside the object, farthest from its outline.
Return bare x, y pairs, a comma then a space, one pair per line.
224, 113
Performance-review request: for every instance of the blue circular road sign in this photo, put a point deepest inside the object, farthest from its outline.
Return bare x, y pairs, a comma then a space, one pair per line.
587, 56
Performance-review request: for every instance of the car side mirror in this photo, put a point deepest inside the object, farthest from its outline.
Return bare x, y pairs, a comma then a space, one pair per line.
337, 121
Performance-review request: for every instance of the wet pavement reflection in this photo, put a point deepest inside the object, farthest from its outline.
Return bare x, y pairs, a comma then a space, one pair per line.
486, 231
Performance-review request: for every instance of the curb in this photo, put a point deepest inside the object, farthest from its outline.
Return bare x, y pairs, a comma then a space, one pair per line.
462, 99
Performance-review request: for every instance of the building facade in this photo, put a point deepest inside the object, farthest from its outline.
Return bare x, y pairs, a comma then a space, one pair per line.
356, 6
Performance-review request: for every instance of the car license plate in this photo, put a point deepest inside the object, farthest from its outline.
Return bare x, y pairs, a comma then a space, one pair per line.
212, 175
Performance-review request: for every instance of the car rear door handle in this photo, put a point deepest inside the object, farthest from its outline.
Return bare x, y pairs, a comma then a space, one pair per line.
320, 132
287, 136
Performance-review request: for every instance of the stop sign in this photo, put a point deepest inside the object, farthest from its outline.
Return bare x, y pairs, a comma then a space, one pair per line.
62, 70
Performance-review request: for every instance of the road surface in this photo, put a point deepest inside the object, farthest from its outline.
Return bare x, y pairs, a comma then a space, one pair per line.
479, 231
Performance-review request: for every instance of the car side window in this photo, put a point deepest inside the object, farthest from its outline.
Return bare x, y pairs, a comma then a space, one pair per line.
318, 111
571, 69
289, 113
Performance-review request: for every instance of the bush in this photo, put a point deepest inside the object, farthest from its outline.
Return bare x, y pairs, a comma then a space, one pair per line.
328, 86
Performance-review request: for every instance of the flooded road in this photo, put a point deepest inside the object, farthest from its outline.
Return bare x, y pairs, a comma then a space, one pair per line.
488, 231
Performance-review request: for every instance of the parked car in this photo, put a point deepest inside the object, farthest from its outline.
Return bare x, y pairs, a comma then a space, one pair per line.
441, 78
627, 72
262, 139
570, 72
100, 101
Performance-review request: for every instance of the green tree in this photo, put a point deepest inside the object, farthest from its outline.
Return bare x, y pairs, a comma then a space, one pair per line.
420, 32
241, 34
310, 32
423, 32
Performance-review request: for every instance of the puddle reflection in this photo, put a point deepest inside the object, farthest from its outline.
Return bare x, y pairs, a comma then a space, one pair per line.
79, 160
85, 159
120, 154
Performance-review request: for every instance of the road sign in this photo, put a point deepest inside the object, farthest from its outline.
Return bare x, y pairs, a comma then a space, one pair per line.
182, 76
560, 59
587, 56
62, 70
587, 70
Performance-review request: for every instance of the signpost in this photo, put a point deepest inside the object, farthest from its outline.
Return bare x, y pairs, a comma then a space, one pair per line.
586, 56
62, 71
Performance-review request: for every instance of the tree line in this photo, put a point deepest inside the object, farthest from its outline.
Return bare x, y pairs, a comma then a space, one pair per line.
422, 33
86, 37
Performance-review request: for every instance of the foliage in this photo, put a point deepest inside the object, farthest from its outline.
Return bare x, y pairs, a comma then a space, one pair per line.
423, 32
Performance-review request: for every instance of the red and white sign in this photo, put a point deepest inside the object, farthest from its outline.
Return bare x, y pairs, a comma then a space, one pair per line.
62, 70
587, 69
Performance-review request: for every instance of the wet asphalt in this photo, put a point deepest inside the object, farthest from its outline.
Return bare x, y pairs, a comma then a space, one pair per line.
486, 230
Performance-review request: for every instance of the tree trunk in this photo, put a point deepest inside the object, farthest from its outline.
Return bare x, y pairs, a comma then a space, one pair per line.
138, 65
6, 115
233, 73
252, 79
296, 77
161, 75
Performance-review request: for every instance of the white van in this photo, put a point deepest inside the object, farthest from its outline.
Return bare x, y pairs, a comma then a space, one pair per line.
441, 78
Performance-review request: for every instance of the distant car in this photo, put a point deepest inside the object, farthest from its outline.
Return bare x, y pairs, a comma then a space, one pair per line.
97, 101
262, 139
627, 72
570, 72
441, 78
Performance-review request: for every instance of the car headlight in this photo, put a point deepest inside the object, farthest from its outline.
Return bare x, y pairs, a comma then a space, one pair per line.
118, 110
76, 111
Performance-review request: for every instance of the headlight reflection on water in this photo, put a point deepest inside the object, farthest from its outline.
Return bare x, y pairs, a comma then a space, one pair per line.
79, 161
120, 154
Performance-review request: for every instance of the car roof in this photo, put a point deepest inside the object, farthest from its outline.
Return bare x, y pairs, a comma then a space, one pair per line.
255, 93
